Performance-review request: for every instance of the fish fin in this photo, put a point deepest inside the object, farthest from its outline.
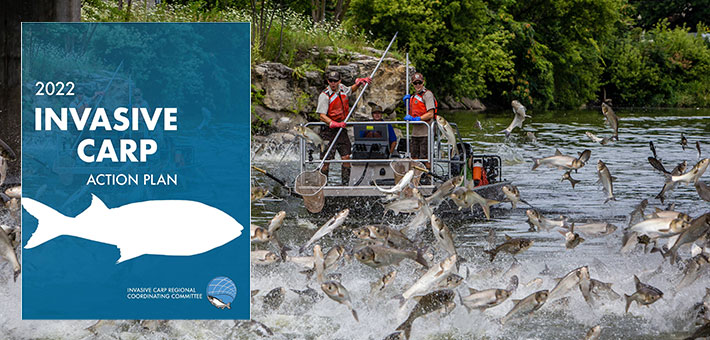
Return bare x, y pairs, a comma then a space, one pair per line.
664, 230
612, 198
507, 237
472, 290
564, 233
515, 301
536, 164
127, 254
636, 280
574, 181
50, 223
657, 211
557, 152
628, 301
613, 178
355, 315
406, 327
97, 206
492, 253
421, 260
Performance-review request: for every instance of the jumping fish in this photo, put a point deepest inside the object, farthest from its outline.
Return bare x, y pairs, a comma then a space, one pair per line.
683, 141
670, 185
644, 295
611, 119
263, 257
310, 135
339, 294
607, 180
466, 198
527, 305
403, 183
519, 111
443, 235
572, 239
511, 245
595, 229
638, 213
593, 138
429, 303
448, 131
328, 227
380, 256
513, 195
489, 298
698, 227
593, 333
559, 161
579, 276
694, 173
430, 279
383, 282
166, 227
602, 290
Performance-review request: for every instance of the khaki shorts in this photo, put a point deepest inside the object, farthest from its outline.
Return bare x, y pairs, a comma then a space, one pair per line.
342, 145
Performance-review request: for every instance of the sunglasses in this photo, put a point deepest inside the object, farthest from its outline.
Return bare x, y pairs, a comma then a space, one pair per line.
417, 82
333, 80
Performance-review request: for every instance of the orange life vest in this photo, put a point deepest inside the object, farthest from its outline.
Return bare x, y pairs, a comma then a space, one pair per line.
338, 107
417, 105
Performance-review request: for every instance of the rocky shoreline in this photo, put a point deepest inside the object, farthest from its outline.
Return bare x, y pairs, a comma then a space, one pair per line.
283, 97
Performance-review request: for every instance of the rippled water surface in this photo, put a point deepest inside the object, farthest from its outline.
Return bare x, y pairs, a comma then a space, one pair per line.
297, 318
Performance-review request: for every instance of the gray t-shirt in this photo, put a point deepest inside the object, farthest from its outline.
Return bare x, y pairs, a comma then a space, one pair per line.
324, 98
420, 130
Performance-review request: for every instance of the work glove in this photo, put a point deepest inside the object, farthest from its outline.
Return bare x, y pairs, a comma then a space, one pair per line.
408, 118
335, 125
406, 98
416, 119
363, 81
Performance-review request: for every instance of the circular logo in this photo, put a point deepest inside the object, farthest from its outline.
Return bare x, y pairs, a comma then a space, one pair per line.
221, 292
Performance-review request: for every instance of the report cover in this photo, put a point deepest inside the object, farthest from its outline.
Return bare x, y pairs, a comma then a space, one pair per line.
135, 170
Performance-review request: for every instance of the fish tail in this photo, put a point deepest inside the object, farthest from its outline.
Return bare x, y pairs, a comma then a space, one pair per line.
628, 302
574, 181
406, 326
492, 253
420, 259
612, 198
355, 315
50, 223
537, 163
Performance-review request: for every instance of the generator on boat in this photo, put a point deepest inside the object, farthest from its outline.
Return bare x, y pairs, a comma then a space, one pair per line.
371, 141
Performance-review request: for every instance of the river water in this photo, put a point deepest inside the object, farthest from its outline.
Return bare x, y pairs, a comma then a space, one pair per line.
297, 318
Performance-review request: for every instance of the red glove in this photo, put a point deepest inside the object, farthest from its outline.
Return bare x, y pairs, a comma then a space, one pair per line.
335, 125
362, 81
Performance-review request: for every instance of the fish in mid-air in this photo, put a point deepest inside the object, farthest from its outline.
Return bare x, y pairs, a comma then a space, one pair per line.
527, 305
611, 119
448, 132
606, 179
519, 111
511, 245
683, 141
645, 294
431, 302
328, 227
568, 176
337, 292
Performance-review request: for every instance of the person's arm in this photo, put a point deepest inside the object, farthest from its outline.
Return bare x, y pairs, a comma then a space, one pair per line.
359, 82
428, 115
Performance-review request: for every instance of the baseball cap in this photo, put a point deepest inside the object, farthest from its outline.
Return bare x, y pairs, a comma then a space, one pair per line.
376, 109
417, 76
333, 75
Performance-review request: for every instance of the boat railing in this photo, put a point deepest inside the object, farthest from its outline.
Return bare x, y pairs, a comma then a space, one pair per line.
440, 165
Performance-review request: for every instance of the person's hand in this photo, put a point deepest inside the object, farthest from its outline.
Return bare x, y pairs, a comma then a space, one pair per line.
406, 98
416, 119
408, 118
335, 125
363, 81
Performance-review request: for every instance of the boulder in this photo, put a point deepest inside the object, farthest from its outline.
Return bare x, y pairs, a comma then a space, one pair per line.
453, 104
473, 104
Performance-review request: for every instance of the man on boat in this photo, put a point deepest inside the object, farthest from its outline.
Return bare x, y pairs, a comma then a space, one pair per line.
333, 108
422, 107
377, 114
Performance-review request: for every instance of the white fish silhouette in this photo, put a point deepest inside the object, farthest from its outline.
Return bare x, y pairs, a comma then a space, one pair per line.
158, 227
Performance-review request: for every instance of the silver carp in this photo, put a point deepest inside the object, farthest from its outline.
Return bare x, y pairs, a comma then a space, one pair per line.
527, 305
448, 132
611, 119
694, 173
337, 292
579, 276
430, 279
8, 252
327, 228
558, 161
607, 180
380, 256
429, 303
703, 190
310, 135
511, 245
443, 235
645, 294
520, 114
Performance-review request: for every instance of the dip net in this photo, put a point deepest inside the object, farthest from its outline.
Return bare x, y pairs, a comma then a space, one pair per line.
309, 184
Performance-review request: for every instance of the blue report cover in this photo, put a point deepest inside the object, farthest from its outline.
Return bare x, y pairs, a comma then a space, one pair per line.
135, 170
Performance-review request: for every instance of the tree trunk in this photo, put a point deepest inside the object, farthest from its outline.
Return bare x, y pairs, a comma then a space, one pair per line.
13, 12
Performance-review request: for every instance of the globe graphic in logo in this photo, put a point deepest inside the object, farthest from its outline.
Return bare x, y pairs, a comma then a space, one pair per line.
221, 292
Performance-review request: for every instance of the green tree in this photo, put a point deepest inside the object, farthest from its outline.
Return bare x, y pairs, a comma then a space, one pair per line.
453, 43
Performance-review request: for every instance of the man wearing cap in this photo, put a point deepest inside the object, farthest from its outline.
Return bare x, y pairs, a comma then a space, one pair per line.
377, 113
422, 107
333, 108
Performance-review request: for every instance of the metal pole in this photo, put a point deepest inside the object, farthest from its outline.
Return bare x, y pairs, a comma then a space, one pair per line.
352, 109
406, 105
